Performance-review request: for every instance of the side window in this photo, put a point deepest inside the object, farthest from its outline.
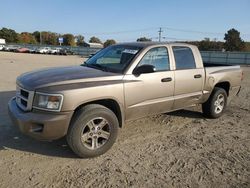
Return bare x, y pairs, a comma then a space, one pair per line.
158, 57
184, 58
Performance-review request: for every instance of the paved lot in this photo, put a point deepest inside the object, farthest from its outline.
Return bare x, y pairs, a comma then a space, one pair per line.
180, 149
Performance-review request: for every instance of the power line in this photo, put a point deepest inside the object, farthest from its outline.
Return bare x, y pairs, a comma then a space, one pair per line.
160, 31
121, 32
194, 31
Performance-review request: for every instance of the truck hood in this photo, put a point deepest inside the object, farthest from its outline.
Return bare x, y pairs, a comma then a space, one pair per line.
63, 75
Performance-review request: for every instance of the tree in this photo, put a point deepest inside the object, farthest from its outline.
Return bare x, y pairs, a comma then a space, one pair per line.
109, 42
95, 40
79, 40
143, 39
207, 44
36, 34
8, 34
48, 37
247, 47
26, 38
233, 41
69, 39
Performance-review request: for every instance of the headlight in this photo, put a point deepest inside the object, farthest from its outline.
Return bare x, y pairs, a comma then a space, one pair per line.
50, 102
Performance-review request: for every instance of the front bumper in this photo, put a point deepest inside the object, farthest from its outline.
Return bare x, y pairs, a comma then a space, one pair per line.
38, 124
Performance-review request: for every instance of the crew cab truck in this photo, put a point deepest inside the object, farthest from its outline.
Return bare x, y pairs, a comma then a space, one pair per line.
89, 103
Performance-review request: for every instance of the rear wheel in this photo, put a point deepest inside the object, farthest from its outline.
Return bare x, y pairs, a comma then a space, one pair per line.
93, 131
216, 104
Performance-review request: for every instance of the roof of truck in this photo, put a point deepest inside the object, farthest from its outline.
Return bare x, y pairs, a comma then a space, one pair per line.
147, 44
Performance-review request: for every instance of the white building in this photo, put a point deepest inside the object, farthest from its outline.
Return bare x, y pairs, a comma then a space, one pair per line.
2, 41
92, 45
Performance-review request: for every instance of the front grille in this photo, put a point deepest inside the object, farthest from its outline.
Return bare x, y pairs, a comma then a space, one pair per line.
24, 93
24, 102
24, 98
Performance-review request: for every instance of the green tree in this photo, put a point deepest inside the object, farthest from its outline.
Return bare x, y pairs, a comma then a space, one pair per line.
36, 34
207, 44
79, 40
95, 40
49, 38
109, 42
143, 39
69, 39
233, 41
26, 38
247, 46
9, 35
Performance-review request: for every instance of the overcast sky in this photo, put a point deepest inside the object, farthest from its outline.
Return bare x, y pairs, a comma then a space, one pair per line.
126, 20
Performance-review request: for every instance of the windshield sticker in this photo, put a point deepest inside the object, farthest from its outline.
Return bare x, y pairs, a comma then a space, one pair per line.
129, 51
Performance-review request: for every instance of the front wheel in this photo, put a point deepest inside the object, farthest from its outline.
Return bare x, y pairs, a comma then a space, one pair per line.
216, 104
93, 131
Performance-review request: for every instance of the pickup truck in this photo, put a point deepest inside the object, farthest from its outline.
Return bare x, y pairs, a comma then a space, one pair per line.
90, 102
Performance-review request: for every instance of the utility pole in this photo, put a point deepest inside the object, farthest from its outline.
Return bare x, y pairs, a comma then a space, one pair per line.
40, 38
160, 31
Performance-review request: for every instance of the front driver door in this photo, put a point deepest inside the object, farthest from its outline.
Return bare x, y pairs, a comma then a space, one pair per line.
150, 93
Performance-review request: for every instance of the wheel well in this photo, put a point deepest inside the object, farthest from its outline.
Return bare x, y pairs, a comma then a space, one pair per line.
108, 103
224, 85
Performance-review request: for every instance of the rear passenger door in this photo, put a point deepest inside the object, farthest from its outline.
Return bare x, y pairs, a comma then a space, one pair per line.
188, 78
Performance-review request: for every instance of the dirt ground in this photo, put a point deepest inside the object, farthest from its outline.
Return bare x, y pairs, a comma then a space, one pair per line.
179, 149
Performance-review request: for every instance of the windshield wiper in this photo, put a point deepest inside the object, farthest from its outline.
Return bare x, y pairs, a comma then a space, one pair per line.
97, 66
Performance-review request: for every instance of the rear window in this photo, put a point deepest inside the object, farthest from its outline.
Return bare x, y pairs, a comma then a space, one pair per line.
184, 58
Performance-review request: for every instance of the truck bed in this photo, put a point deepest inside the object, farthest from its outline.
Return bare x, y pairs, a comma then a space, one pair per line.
211, 64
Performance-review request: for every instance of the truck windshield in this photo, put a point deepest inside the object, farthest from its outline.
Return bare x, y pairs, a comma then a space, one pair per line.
113, 59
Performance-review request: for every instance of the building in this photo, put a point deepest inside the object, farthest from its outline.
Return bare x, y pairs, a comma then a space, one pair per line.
92, 45
2, 41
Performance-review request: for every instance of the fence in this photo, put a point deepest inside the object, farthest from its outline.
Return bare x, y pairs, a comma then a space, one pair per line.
242, 58
78, 50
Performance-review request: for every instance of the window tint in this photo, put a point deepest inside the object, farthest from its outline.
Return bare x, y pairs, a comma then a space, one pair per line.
158, 57
184, 58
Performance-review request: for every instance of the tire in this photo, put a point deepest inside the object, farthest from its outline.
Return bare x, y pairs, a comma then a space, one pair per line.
93, 131
216, 104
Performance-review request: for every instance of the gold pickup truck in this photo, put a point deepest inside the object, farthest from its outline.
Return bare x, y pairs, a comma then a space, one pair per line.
90, 102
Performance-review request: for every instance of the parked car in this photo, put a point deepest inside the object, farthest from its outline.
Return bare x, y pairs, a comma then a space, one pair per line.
1, 47
66, 51
54, 51
22, 50
33, 50
10, 48
43, 50
123, 82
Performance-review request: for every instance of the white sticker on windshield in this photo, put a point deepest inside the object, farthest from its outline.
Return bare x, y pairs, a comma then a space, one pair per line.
129, 51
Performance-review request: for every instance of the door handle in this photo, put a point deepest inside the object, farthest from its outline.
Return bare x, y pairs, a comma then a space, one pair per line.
197, 76
169, 79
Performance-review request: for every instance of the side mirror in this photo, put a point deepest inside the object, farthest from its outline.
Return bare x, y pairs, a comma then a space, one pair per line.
143, 69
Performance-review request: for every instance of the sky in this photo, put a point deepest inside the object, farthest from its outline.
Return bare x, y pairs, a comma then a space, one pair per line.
127, 20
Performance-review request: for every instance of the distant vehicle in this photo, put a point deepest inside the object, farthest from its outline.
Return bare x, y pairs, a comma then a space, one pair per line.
66, 51
55, 50
123, 82
22, 50
10, 48
33, 50
43, 50
1, 47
